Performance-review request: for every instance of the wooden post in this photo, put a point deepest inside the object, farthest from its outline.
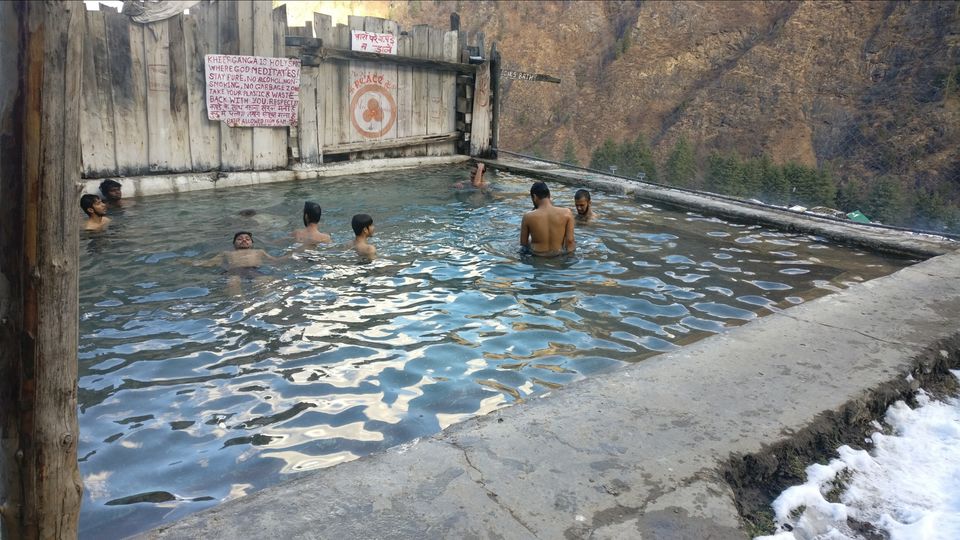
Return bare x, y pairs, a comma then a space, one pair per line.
40, 487
495, 90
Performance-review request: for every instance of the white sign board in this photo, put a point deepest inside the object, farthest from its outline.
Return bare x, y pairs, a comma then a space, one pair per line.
373, 42
252, 91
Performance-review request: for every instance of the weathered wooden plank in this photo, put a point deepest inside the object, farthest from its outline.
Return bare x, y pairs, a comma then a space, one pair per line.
357, 70
307, 128
129, 92
399, 142
319, 55
480, 129
436, 115
404, 89
343, 107
448, 87
47, 391
495, 72
282, 135
328, 87
385, 73
96, 117
159, 131
421, 98
179, 116
269, 143
200, 39
236, 144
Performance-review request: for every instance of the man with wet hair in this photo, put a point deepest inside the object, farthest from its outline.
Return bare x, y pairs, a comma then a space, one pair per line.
96, 212
363, 229
310, 233
546, 230
581, 200
112, 192
243, 262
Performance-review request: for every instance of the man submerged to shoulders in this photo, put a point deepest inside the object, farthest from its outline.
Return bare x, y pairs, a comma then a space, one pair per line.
96, 211
581, 200
546, 230
362, 225
310, 233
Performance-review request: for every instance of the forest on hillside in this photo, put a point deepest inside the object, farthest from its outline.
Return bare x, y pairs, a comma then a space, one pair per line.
850, 105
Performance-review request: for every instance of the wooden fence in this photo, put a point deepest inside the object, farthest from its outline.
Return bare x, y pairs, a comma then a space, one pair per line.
144, 108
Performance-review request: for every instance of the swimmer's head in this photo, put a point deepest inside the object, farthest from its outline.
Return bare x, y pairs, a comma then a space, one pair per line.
243, 240
360, 222
93, 205
581, 199
538, 192
111, 190
311, 213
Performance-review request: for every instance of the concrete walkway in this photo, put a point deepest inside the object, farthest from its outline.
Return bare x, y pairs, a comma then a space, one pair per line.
636, 453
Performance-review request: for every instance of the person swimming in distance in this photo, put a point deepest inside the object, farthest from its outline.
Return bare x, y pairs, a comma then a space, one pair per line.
477, 180
581, 201
96, 212
546, 230
310, 233
363, 229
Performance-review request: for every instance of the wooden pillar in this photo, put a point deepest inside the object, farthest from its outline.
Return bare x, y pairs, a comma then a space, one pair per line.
495, 90
41, 48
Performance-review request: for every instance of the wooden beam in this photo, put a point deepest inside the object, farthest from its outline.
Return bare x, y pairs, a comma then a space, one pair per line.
317, 56
391, 143
495, 77
40, 483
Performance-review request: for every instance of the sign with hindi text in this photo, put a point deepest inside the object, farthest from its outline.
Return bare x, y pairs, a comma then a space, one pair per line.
373, 42
254, 91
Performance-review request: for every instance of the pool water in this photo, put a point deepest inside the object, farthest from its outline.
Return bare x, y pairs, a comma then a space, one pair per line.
192, 393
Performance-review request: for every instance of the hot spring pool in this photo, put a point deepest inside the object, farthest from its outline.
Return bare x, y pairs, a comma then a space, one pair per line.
190, 395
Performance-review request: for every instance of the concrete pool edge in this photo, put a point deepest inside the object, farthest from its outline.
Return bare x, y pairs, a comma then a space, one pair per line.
164, 184
885, 240
640, 449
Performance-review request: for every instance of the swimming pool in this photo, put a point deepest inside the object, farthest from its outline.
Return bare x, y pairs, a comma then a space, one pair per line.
191, 395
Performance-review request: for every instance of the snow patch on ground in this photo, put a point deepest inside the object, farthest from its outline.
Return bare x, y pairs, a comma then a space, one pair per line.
906, 487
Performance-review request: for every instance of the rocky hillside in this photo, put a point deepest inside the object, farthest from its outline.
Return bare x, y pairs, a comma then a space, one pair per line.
866, 89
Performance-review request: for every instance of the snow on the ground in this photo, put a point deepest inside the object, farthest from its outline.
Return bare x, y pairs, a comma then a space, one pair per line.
907, 486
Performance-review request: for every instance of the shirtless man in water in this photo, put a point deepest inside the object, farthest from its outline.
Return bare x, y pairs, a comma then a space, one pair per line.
546, 231
310, 233
581, 200
243, 261
96, 211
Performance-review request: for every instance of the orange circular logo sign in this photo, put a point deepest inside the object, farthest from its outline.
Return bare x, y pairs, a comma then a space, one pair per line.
374, 111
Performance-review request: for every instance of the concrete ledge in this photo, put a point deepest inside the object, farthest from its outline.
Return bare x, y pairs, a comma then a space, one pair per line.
142, 186
635, 453
875, 238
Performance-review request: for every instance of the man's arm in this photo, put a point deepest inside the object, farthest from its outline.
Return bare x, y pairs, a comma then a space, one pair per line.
568, 241
524, 232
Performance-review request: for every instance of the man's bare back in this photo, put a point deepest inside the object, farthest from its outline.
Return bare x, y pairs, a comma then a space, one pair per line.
547, 230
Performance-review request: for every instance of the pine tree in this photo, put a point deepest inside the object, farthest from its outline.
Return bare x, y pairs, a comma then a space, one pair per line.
604, 156
886, 201
681, 168
774, 188
724, 175
570, 154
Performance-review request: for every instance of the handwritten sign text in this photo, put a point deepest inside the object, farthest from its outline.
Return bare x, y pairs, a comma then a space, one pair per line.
252, 90
373, 42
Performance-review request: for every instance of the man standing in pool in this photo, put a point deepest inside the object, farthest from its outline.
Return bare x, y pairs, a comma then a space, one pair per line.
362, 225
546, 231
581, 200
310, 233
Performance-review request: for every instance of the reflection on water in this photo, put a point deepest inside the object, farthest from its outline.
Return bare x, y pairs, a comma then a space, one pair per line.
190, 395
